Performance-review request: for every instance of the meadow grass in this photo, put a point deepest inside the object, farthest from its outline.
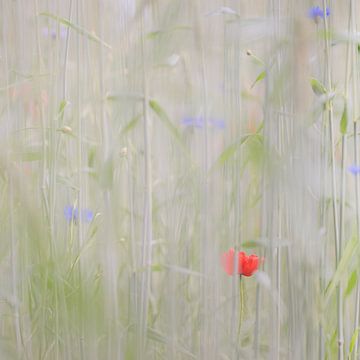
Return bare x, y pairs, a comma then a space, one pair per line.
141, 140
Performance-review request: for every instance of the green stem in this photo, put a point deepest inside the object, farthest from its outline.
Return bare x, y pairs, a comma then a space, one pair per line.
241, 305
334, 185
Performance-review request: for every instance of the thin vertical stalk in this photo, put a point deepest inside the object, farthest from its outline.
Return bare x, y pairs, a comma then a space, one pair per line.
79, 177
42, 118
147, 221
357, 198
354, 66
13, 243
205, 332
334, 184
343, 161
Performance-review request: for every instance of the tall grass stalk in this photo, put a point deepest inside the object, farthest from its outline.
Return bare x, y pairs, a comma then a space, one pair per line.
354, 88
327, 55
146, 249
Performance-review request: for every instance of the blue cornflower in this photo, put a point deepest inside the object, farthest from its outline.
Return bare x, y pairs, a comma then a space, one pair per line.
218, 123
199, 122
195, 122
355, 170
316, 12
87, 215
72, 214
51, 32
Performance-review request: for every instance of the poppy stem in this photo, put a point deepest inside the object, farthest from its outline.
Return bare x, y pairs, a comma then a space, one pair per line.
241, 312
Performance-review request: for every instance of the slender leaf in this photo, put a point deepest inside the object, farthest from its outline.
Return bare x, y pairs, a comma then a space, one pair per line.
77, 28
343, 121
317, 87
259, 78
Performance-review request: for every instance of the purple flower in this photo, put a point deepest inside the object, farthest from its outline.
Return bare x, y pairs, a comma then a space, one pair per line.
316, 12
199, 122
72, 214
195, 122
51, 32
355, 170
87, 215
218, 123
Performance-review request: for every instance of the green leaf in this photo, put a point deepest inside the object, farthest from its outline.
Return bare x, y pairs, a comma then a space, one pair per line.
350, 251
107, 173
250, 244
130, 125
125, 96
351, 283
159, 337
160, 112
91, 156
232, 149
31, 153
353, 340
259, 78
77, 28
318, 87
154, 34
157, 267
343, 121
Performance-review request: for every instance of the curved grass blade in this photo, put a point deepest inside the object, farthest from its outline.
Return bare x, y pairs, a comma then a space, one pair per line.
76, 27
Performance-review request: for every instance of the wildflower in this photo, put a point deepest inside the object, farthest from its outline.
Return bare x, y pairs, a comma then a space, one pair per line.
51, 32
247, 265
195, 122
218, 123
72, 214
355, 170
87, 215
200, 122
315, 12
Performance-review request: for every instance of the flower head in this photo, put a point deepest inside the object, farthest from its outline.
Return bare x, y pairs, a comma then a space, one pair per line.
198, 122
355, 170
52, 32
315, 12
247, 264
71, 213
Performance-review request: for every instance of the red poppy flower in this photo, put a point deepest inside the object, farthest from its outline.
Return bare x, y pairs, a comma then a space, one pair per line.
247, 265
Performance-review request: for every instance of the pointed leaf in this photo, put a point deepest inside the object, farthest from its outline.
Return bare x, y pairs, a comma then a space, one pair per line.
353, 340
160, 112
318, 87
351, 283
77, 28
350, 251
343, 121
259, 78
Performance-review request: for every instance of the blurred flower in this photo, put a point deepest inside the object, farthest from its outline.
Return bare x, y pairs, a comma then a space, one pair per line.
200, 122
247, 265
195, 122
355, 170
51, 32
218, 123
316, 12
72, 214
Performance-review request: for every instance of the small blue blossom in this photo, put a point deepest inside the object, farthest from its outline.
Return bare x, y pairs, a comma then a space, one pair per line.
199, 122
355, 170
195, 122
87, 215
316, 12
72, 214
218, 123
51, 32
